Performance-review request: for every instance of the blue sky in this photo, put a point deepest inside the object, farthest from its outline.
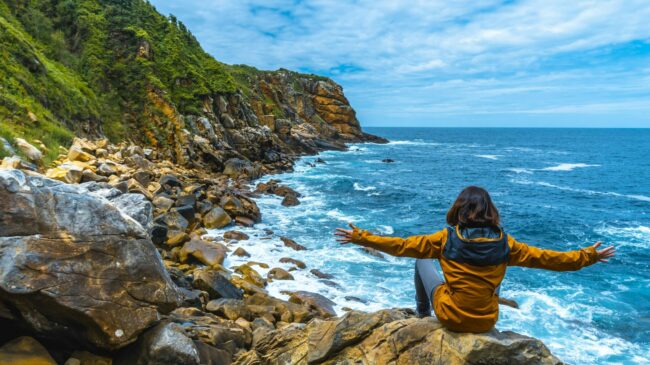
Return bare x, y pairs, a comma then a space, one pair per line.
539, 63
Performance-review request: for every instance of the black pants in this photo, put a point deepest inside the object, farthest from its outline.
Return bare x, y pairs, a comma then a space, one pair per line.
427, 280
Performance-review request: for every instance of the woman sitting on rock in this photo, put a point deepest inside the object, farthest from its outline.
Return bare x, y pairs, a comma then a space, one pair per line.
474, 252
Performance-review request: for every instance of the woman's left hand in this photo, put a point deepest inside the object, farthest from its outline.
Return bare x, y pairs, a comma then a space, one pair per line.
345, 235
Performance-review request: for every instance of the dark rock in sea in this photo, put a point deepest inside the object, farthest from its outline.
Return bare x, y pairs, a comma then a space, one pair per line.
320, 160
241, 252
235, 235
292, 244
321, 275
290, 201
279, 274
373, 252
215, 284
91, 262
244, 221
356, 299
388, 160
288, 260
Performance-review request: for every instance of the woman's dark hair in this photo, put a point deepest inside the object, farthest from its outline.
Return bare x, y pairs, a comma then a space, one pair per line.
473, 208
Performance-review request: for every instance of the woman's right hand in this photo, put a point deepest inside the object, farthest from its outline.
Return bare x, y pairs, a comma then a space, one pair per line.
605, 253
345, 235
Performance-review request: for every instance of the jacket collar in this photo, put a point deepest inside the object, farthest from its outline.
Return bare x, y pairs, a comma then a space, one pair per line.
479, 234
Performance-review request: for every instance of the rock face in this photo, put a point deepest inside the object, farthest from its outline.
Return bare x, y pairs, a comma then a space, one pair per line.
73, 264
391, 337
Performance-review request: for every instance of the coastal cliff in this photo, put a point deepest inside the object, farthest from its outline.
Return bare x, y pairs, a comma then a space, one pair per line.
123, 142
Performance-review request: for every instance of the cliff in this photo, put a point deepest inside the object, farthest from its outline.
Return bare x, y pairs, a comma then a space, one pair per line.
118, 68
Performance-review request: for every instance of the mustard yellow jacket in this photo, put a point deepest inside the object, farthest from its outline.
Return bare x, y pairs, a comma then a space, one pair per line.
472, 305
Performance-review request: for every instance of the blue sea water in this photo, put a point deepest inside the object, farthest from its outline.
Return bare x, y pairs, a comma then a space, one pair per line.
560, 189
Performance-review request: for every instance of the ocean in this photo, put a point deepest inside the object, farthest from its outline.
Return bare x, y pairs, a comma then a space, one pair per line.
559, 189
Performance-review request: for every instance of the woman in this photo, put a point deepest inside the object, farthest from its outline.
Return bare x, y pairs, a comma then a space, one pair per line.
474, 252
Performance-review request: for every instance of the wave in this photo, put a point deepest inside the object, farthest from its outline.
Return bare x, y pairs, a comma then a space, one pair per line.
584, 191
489, 157
521, 170
413, 143
386, 230
567, 167
359, 187
638, 237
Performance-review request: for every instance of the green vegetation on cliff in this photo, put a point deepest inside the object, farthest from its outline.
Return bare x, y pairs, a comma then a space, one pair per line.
90, 67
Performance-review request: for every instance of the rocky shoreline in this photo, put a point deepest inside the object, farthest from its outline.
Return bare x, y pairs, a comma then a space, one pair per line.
105, 259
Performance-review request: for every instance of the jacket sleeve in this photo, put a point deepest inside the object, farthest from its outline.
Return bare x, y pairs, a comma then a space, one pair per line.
528, 256
421, 247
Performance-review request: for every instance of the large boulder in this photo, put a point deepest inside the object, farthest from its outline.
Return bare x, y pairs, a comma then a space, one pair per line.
25, 351
73, 265
392, 337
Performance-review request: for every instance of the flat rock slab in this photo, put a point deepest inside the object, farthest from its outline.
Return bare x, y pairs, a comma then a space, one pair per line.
73, 264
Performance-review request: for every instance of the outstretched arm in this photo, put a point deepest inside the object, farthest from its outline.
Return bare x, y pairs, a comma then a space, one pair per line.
528, 256
426, 246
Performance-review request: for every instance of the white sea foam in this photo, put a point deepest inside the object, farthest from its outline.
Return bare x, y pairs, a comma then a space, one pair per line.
360, 187
583, 191
521, 170
638, 237
413, 143
567, 167
489, 157
338, 215
386, 230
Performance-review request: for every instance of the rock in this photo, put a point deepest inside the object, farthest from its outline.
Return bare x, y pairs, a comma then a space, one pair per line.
288, 260
279, 274
67, 172
387, 160
216, 218
106, 169
137, 207
320, 160
321, 275
163, 202
211, 330
229, 308
275, 309
92, 262
169, 181
89, 176
6, 146
244, 221
240, 206
164, 344
173, 220
87, 358
394, 337
143, 177
290, 201
292, 244
356, 299
187, 211
12, 162
241, 252
208, 253
215, 284
159, 234
373, 252
211, 355
176, 238
322, 305
28, 150
236, 167
251, 275
75, 153
25, 351
235, 235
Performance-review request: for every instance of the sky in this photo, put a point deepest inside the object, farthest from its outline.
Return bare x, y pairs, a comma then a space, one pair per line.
535, 63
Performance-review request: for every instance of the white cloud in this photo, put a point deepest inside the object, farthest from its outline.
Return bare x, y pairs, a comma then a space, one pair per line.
412, 45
